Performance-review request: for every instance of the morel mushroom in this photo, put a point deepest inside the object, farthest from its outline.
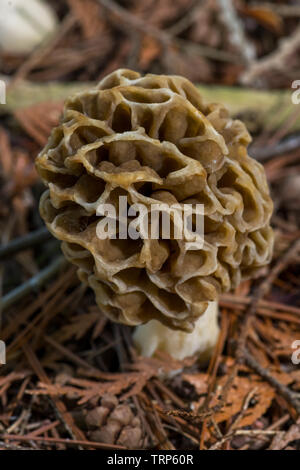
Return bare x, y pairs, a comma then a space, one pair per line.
154, 139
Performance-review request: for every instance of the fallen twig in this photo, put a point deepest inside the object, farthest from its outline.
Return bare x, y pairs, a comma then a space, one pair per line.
236, 32
23, 243
67, 442
266, 153
34, 283
274, 61
291, 397
164, 37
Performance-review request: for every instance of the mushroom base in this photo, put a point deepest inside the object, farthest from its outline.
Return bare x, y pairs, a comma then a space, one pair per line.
154, 336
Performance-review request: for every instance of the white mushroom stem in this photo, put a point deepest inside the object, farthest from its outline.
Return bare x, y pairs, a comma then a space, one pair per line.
154, 336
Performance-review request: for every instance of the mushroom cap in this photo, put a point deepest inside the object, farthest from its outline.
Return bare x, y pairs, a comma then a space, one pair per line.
153, 139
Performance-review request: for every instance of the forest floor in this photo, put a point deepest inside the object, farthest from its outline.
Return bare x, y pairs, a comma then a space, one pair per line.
63, 354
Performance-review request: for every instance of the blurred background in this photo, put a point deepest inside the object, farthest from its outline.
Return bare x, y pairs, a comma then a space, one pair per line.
209, 41
243, 53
